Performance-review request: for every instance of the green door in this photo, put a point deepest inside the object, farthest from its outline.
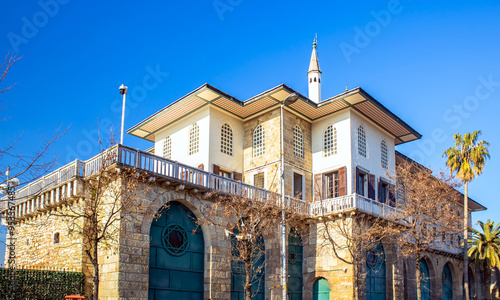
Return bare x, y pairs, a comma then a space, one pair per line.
425, 285
238, 272
176, 261
295, 256
321, 289
447, 282
375, 274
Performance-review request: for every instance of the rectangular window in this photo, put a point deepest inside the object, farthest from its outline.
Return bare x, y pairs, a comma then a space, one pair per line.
258, 180
332, 185
384, 192
226, 174
361, 184
297, 186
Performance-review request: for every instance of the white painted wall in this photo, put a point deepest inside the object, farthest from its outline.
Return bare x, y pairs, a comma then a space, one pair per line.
230, 163
341, 121
179, 133
374, 135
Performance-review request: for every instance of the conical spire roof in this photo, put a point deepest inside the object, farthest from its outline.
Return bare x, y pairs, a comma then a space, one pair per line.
314, 64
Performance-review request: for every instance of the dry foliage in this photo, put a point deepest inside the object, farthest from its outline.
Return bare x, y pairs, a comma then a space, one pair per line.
427, 216
245, 222
109, 196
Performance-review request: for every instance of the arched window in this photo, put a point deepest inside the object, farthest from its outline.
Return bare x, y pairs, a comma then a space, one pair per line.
329, 141
321, 289
298, 141
56, 238
167, 147
226, 139
259, 141
361, 141
425, 285
295, 258
447, 283
375, 273
194, 139
383, 154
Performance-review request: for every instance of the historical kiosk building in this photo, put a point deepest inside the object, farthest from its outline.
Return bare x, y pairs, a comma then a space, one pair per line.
337, 154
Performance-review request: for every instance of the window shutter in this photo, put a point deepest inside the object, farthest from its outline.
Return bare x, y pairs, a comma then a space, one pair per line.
371, 186
318, 187
215, 169
392, 195
343, 181
356, 181
237, 176
380, 191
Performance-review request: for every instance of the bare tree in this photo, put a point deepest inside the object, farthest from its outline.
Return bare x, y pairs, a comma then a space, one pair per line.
428, 217
111, 194
24, 167
349, 236
246, 221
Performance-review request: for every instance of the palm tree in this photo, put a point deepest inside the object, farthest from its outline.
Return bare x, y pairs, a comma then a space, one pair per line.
485, 248
467, 160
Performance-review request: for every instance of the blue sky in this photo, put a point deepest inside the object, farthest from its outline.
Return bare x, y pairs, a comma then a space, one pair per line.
434, 64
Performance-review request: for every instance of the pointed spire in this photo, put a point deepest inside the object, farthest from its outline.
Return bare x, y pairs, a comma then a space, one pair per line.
314, 64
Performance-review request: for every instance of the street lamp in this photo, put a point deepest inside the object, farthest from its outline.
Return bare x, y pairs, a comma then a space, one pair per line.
288, 100
123, 91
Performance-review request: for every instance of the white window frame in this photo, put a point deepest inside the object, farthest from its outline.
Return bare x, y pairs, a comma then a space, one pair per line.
331, 141
194, 139
261, 149
384, 155
362, 144
167, 147
226, 139
298, 141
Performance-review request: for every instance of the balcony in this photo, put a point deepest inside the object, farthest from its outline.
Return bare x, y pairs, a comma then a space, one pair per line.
64, 183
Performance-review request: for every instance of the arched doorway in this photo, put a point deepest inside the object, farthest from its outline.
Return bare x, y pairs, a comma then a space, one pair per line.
375, 274
176, 255
238, 272
295, 257
472, 285
447, 283
425, 284
321, 289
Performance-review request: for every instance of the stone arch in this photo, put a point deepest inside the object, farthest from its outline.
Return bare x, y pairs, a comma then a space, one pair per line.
447, 282
162, 197
321, 288
433, 279
473, 291
177, 255
377, 270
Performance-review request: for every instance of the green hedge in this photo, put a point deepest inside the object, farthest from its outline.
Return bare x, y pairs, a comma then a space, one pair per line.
39, 284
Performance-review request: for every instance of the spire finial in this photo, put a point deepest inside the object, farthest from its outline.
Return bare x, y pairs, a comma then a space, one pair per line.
346, 89
315, 41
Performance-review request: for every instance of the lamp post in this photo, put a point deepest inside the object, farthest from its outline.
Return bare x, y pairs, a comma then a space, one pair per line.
123, 91
288, 100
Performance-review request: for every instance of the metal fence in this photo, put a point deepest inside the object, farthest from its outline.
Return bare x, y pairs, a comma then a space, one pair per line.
24, 284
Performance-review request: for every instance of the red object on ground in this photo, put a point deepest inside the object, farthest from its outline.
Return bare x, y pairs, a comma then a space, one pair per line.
74, 297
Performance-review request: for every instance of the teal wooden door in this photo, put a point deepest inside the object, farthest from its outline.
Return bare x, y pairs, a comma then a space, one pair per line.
447, 283
258, 273
176, 255
375, 274
321, 289
295, 257
425, 285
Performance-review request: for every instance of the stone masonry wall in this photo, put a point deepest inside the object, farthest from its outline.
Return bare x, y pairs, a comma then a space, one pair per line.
271, 160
